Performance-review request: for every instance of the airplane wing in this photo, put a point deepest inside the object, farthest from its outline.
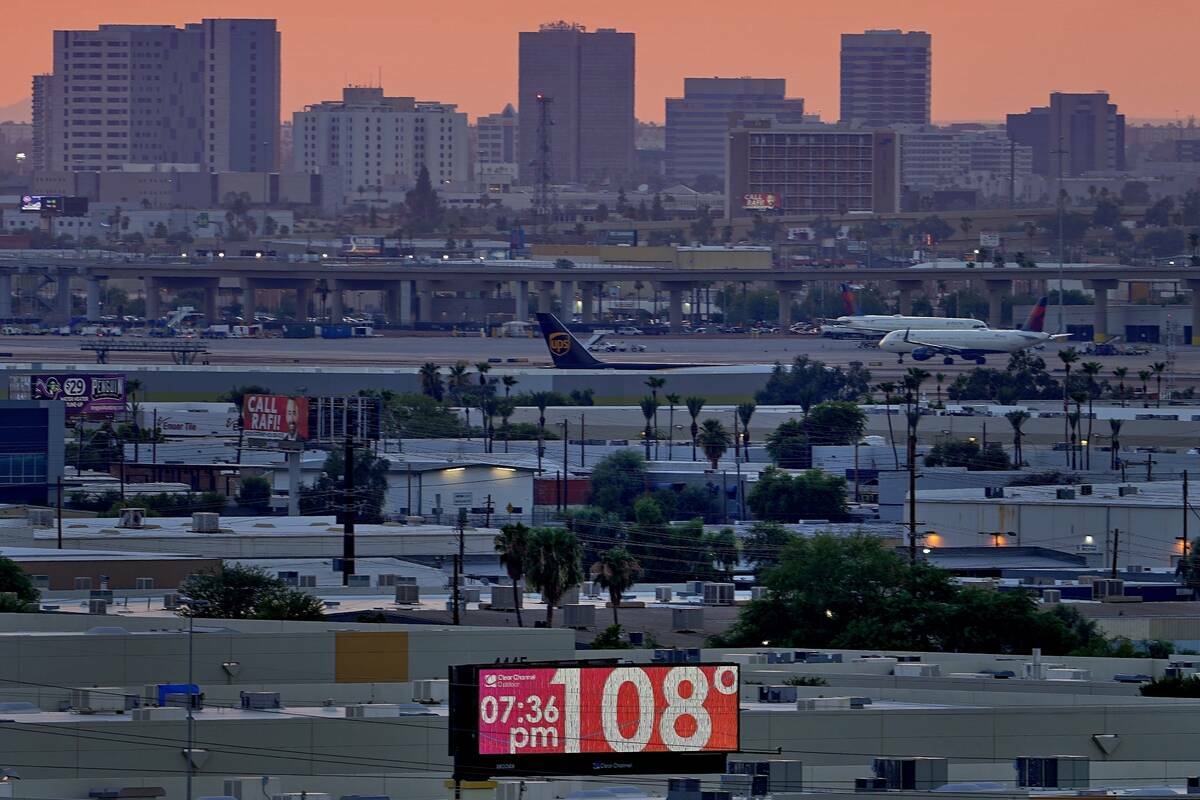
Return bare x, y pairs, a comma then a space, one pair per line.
1054, 337
945, 349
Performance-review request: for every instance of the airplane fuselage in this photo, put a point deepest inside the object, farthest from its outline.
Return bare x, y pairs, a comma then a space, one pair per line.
879, 324
967, 344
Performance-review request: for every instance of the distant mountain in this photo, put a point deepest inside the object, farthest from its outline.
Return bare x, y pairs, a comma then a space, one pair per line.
20, 111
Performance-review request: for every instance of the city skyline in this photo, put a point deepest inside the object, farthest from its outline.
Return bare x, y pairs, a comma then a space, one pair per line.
1031, 49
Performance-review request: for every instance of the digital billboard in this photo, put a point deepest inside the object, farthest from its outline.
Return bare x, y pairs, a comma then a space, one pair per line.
272, 416
585, 718
41, 203
83, 395
760, 201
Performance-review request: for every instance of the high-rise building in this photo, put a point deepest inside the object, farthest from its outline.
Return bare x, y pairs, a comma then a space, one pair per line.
204, 94
496, 148
810, 169
241, 122
588, 79
886, 78
372, 142
933, 157
1082, 130
698, 123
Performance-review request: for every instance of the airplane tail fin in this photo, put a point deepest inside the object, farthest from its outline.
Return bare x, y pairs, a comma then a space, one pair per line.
1037, 317
565, 349
849, 301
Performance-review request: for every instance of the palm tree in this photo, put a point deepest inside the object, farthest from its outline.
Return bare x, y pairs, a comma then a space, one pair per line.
1090, 369
1017, 419
654, 384
694, 406
1144, 377
913, 378
1068, 357
1114, 426
541, 400
485, 386
888, 387
553, 565
505, 409
1158, 368
1074, 417
1120, 374
488, 408
745, 411
672, 401
512, 545
431, 380
649, 411
940, 378
714, 440
456, 382
617, 570
509, 382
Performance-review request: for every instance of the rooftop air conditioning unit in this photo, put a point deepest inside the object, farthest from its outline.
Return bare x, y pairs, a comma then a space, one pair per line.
307, 582
777, 694
1125, 491
385, 580
97, 606
1064, 494
251, 787
171, 601
365, 710
1085, 490
132, 518
911, 670
913, 774
687, 619
1053, 772
993, 491
261, 700
152, 714
432, 690
97, 699
677, 789
506, 598
776, 776
144, 583
40, 517
758, 593
717, 594
1068, 674
82, 583
1107, 587
206, 522
1051, 596
408, 593
662, 594
359, 581
579, 616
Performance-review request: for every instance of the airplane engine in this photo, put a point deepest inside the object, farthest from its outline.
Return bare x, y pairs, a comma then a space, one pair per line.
922, 354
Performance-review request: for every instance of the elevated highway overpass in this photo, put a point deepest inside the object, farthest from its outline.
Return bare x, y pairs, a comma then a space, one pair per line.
408, 285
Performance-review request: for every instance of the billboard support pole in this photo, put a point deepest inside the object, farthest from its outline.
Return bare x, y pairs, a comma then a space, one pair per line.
293, 462
348, 515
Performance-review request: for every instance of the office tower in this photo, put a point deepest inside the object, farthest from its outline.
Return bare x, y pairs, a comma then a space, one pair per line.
204, 94
810, 168
886, 78
588, 78
1083, 130
698, 123
43, 130
373, 142
241, 122
496, 148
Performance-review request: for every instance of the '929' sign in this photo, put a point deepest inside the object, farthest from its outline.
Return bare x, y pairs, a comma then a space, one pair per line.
621, 709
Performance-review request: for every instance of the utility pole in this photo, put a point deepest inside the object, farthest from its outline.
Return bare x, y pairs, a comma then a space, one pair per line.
458, 564
348, 514
912, 494
1183, 537
59, 502
582, 444
737, 438
1116, 549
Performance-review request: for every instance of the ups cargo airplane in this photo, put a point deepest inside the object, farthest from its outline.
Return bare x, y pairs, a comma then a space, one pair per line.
567, 352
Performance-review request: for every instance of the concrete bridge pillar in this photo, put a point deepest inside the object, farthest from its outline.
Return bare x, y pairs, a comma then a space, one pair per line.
1100, 309
424, 312
304, 300
1194, 285
6, 304
62, 297
996, 291
212, 301
587, 294
906, 289
787, 293
337, 310
154, 299
566, 290
520, 300
675, 307
545, 294
93, 299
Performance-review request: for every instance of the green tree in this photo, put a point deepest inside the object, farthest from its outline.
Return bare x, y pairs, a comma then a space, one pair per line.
714, 440
431, 380
649, 408
512, 545
618, 480
807, 382
813, 494
14, 580
967, 453
836, 422
745, 411
554, 565
1158, 368
422, 204
255, 492
763, 543
233, 591
1017, 420
325, 494
1121, 373
672, 401
788, 445
703, 228
1144, 377
1090, 370
616, 570
1135, 193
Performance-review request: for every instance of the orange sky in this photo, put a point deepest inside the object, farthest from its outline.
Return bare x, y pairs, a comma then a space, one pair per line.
989, 56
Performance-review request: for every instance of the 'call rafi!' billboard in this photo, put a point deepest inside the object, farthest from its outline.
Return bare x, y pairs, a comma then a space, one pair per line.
83, 395
760, 201
572, 719
272, 416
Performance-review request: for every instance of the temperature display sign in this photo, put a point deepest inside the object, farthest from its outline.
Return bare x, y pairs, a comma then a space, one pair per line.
539, 719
